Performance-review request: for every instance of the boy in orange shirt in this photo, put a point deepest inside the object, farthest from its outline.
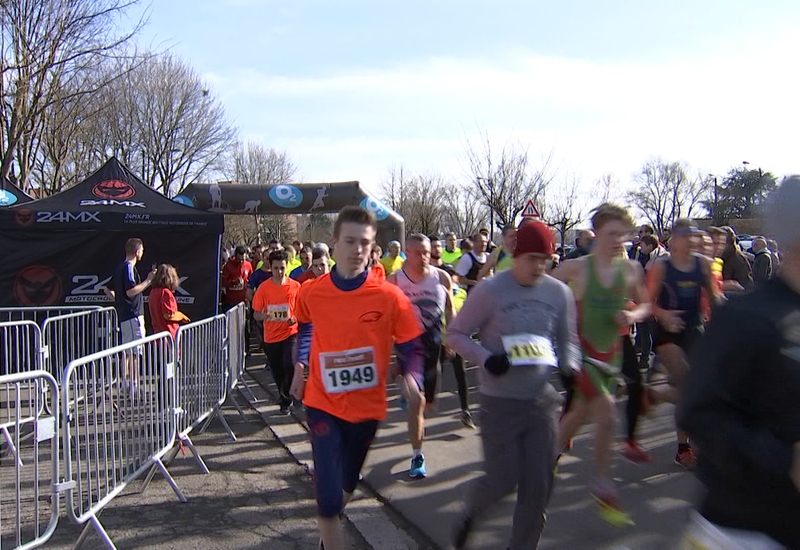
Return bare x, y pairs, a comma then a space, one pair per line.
274, 303
356, 318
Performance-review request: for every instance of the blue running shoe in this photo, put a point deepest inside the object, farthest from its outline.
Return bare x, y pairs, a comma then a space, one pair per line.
417, 470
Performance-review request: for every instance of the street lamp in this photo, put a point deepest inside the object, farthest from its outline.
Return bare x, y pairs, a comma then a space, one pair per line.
491, 205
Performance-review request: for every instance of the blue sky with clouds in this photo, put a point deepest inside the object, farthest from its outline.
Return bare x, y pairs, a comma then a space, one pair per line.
351, 87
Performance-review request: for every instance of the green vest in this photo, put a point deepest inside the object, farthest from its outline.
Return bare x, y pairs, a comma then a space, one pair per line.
597, 309
451, 258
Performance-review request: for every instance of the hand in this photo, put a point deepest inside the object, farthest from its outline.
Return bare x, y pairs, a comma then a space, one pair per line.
291, 321
448, 353
411, 392
796, 466
671, 320
151, 276
624, 318
298, 386
498, 365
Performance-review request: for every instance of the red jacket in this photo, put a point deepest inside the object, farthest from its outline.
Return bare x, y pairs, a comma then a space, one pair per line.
231, 273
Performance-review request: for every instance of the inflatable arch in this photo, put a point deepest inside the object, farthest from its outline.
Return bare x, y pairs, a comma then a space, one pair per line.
302, 198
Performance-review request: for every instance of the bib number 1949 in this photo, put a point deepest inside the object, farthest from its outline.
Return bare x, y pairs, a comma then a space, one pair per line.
349, 370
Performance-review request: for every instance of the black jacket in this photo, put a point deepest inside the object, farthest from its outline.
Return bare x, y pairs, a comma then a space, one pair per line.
741, 407
762, 266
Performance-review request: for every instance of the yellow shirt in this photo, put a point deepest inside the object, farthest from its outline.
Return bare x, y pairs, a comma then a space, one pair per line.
391, 264
292, 265
451, 258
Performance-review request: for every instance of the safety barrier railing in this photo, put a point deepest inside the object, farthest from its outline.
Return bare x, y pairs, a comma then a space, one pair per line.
70, 336
201, 376
20, 344
29, 488
39, 314
112, 437
236, 347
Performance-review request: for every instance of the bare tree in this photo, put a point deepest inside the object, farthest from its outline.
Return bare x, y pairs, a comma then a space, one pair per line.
566, 205
465, 212
608, 189
254, 164
421, 199
666, 192
506, 181
46, 48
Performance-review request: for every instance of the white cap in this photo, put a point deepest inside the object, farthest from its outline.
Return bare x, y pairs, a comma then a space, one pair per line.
782, 211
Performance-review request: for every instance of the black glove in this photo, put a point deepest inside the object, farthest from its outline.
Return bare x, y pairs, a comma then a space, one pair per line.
498, 365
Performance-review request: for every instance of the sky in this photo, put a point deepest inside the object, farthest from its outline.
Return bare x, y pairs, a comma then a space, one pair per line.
351, 87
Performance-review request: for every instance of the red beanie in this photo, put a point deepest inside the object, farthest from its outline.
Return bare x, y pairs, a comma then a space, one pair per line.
535, 237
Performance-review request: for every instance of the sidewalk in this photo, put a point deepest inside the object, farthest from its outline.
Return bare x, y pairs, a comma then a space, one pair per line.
658, 495
256, 497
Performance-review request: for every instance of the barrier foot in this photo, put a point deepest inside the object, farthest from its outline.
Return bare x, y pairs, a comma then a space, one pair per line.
170, 480
197, 458
238, 407
12, 449
101, 532
218, 414
154, 469
245, 389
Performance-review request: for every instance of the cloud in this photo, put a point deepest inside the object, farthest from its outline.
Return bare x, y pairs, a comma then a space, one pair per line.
710, 110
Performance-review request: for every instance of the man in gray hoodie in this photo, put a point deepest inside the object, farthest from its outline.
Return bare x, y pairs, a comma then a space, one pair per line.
526, 325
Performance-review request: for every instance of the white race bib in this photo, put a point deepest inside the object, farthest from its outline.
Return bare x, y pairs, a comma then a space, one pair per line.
349, 370
278, 312
525, 350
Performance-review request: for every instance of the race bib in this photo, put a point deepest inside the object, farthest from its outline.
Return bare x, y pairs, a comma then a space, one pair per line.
278, 312
350, 370
525, 350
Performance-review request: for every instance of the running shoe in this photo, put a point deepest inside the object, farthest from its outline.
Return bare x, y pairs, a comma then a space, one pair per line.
686, 459
466, 419
417, 470
634, 453
609, 511
286, 409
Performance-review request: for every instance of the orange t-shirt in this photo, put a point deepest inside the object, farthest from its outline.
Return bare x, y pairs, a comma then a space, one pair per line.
351, 343
279, 301
378, 270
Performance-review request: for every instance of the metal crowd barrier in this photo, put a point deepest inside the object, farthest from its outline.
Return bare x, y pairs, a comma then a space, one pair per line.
39, 314
29, 489
236, 348
112, 437
201, 377
70, 336
20, 343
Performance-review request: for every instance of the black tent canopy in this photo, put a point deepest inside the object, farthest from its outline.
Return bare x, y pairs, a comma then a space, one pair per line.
10, 194
63, 249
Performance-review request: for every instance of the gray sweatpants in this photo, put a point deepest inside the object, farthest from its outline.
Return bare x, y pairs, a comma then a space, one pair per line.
519, 439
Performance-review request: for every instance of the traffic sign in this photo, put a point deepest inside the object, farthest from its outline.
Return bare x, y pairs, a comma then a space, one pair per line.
530, 210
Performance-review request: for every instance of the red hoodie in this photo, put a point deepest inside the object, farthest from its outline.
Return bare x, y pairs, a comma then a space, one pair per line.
231, 273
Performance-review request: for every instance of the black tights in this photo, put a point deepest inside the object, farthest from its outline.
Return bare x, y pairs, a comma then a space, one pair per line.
461, 379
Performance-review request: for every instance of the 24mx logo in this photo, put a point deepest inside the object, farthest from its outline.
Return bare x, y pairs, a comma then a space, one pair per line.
92, 288
112, 202
83, 217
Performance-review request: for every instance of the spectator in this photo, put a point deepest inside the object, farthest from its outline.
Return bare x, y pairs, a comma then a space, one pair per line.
762, 265
274, 245
320, 265
161, 303
471, 263
129, 303
297, 245
305, 264
635, 253
392, 261
776, 257
466, 246
234, 278
583, 244
735, 266
652, 248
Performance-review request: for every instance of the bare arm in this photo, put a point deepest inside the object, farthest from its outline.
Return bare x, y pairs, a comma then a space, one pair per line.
141, 287
491, 263
637, 291
568, 271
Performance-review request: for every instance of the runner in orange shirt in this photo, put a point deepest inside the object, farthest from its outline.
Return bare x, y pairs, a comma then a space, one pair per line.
356, 319
274, 303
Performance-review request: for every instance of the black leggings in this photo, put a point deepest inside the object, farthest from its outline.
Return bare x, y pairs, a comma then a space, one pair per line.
633, 379
461, 379
279, 359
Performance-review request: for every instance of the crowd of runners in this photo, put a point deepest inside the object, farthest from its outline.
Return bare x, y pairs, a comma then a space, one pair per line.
338, 325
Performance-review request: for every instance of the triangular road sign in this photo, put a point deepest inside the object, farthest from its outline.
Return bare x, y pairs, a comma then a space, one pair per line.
530, 210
